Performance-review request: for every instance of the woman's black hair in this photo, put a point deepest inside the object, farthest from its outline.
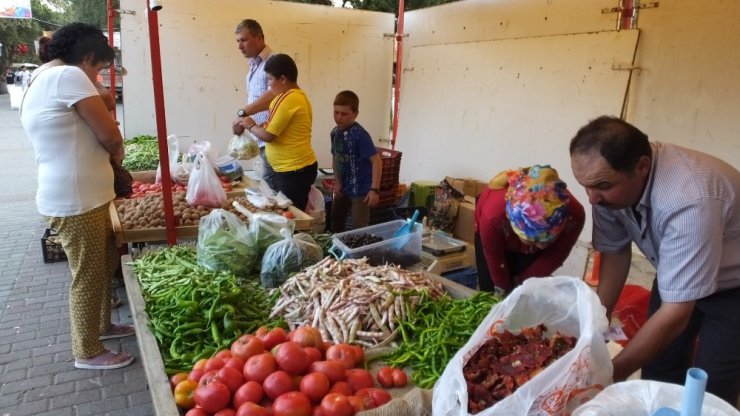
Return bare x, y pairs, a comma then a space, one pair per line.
44, 55
282, 65
618, 142
74, 42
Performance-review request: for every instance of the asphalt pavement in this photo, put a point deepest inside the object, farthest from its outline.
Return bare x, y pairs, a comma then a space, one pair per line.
37, 374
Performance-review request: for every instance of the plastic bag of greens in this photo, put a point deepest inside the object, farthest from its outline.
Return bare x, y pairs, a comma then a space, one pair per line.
288, 256
243, 147
225, 243
266, 226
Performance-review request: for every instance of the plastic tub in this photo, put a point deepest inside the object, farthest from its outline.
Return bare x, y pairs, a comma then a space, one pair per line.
402, 251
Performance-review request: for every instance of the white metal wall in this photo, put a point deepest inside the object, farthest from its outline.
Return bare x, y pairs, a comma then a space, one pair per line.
204, 72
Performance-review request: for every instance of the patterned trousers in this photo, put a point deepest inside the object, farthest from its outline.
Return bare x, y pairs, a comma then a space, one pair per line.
93, 257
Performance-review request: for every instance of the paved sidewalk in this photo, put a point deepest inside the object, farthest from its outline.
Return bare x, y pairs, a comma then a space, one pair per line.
37, 374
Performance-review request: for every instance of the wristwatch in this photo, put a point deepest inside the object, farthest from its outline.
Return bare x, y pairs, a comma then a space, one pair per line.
241, 113
375, 190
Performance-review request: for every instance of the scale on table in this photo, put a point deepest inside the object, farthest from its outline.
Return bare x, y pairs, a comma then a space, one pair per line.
442, 254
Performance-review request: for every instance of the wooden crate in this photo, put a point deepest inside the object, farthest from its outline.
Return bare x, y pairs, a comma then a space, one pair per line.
163, 401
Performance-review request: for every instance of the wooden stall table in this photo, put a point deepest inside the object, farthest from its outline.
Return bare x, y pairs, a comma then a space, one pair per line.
159, 384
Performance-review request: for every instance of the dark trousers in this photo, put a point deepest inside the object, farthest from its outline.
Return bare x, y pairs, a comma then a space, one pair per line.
296, 184
342, 206
517, 263
711, 342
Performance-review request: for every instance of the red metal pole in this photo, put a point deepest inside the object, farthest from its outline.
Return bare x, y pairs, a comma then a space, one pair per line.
159, 113
112, 69
399, 71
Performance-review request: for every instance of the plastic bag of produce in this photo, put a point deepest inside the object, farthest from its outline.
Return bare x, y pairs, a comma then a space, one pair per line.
288, 256
243, 147
179, 172
204, 187
565, 305
265, 228
225, 244
644, 397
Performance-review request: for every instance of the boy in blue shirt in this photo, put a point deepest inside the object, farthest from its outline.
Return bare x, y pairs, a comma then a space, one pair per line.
357, 166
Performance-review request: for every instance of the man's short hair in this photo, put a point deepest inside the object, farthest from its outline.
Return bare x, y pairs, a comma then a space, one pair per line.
618, 142
282, 65
251, 25
349, 99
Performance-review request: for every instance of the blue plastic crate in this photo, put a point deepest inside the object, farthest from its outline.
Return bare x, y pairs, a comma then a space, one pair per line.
467, 277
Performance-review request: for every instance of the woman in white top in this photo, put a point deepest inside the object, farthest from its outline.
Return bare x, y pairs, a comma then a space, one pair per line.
75, 141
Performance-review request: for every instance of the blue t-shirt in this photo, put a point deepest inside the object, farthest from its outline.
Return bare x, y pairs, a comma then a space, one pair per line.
352, 150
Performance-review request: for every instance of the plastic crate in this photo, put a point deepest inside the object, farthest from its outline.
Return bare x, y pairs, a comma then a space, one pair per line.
387, 198
402, 251
467, 277
52, 249
391, 160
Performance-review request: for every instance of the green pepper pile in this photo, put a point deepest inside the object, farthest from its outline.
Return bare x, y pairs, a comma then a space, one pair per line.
194, 312
434, 331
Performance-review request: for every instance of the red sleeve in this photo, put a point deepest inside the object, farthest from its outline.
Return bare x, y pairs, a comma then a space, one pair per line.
490, 212
555, 255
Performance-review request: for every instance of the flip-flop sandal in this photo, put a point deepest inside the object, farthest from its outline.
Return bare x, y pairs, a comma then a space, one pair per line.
117, 331
108, 360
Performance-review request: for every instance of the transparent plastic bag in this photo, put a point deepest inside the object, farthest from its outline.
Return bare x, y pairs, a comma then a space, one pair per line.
287, 256
564, 304
266, 226
243, 147
225, 244
179, 172
204, 187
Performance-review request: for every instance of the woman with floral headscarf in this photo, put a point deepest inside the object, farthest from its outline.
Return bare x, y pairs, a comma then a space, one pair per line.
526, 223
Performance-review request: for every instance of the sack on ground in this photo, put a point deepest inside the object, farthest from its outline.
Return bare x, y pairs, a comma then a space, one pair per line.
288, 256
565, 305
225, 244
204, 187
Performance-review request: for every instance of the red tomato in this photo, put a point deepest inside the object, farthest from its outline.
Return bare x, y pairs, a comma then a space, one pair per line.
293, 403
315, 386
197, 412
341, 387
177, 378
399, 378
261, 331
274, 337
291, 358
247, 346
289, 215
208, 377
235, 363
196, 375
343, 353
258, 367
312, 355
358, 404
225, 412
213, 363
212, 397
359, 354
373, 397
200, 364
223, 354
335, 404
251, 391
184, 394
306, 336
332, 368
231, 377
277, 383
251, 409
385, 377
359, 379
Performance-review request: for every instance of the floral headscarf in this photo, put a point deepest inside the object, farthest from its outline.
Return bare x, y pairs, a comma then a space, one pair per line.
536, 202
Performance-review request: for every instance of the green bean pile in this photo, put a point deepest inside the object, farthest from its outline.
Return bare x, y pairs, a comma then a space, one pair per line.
194, 312
434, 331
141, 153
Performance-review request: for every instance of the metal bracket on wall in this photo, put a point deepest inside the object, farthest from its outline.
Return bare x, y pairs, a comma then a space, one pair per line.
650, 5
131, 12
623, 67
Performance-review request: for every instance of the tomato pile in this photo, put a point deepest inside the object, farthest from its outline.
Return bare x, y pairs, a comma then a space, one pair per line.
140, 189
272, 372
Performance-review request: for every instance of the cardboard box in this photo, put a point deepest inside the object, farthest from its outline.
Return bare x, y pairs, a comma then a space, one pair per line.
468, 186
465, 222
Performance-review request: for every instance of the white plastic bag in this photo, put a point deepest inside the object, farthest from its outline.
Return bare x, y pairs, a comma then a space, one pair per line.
564, 304
644, 397
316, 208
243, 147
204, 187
179, 173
